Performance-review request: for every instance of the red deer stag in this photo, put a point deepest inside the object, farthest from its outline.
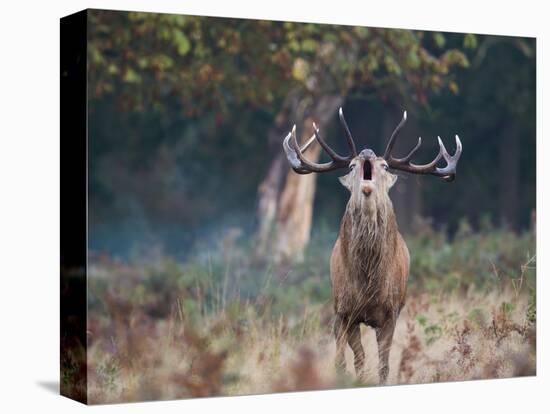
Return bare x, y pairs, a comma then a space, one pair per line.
369, 265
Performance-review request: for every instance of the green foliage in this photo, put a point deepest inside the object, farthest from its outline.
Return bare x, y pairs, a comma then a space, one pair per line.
470, 41
433, 332
201, 323
478, 316
439, 39
107, 372
150, 60
440, 263
176, 101
421, 319
231, 281
507, 308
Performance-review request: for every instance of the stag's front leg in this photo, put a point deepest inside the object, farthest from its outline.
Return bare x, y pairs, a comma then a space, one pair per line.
384, 337
354, 341
340, 336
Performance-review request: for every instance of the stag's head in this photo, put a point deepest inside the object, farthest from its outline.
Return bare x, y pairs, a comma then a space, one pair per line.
369, 179
369, 176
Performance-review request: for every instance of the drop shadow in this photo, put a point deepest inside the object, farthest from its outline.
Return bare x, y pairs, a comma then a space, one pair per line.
51, 386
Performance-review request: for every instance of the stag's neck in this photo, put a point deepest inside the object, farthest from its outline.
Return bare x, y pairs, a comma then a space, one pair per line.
369, 234
374, 218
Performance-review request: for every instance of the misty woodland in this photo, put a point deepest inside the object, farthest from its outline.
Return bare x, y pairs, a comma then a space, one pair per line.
245, 237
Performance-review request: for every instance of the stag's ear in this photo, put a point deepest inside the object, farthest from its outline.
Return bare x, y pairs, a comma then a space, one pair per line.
346, 181
393, 180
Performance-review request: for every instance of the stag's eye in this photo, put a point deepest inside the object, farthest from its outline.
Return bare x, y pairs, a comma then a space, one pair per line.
351, 166
385, 167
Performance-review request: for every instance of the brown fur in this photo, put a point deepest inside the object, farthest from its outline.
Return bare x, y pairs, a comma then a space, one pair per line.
369, 265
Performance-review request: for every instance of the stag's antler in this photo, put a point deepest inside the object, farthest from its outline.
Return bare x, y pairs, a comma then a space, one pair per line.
301, 165
447, 173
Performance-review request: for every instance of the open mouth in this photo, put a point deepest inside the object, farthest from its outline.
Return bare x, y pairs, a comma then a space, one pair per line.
367, 171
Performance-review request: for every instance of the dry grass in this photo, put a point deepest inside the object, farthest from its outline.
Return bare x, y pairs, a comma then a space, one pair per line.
450, 337
228, 325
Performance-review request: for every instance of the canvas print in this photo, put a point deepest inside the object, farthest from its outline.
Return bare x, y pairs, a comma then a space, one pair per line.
255, 206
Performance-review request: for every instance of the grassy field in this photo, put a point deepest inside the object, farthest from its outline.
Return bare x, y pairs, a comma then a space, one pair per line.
225, 323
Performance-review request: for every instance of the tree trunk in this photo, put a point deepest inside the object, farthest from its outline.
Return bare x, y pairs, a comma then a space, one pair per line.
270, 187
295, 210
285, 205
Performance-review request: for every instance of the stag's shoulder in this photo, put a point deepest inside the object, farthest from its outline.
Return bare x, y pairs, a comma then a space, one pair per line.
402, 263
402, 249
337, 266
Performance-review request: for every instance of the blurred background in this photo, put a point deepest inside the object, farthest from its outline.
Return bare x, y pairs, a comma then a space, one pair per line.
208, 262
187, 116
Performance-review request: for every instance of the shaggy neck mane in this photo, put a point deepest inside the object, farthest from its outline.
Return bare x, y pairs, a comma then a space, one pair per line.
369, 233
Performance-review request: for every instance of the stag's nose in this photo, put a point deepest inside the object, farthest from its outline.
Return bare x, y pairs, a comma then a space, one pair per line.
367, 154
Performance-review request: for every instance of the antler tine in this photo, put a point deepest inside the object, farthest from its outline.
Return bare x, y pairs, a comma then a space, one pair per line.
332, 154
308, 143
351, 142
291, 154
302, 165
447, 173
408, 157
393, 136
